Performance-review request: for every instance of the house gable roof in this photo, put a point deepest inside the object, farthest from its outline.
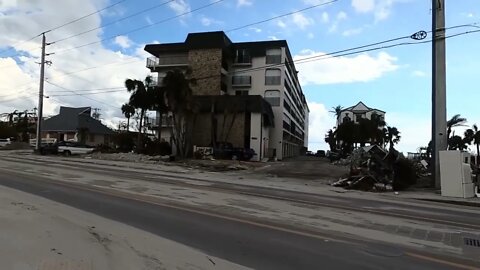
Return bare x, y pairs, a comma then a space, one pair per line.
360, 107
72, 119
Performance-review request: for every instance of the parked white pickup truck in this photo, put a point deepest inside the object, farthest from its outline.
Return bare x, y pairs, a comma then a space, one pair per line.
4, 142
73, 148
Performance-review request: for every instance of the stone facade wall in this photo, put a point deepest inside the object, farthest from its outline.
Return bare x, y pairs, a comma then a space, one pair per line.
203, 129
205, 63
236, 135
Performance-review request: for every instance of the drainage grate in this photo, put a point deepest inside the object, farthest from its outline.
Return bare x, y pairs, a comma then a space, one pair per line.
471, 242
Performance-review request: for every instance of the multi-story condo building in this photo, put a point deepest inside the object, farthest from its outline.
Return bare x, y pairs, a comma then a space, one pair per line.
258, 79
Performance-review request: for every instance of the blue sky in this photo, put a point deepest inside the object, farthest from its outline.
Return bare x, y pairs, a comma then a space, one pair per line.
396, 80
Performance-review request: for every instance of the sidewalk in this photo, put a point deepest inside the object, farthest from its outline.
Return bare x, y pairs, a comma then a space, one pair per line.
39, 234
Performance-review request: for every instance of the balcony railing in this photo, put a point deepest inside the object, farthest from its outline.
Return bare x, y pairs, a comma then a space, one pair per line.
241, 80
173, 60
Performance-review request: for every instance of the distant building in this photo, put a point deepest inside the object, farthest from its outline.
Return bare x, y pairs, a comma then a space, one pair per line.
257, 78
76, 124
359, 111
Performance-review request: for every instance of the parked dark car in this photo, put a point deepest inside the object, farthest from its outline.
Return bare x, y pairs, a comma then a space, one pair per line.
49, 149
225, 150
320, 153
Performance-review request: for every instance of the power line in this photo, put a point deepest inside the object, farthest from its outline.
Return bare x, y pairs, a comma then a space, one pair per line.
335, 54
81, 95
58, 27
141, 28
90, 93
88, 90
116, 21
283, 15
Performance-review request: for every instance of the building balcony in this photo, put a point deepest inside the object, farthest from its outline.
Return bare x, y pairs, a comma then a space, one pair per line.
167, 61
241, 81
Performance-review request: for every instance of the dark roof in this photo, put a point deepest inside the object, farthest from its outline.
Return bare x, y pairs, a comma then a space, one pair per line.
73, 119
250, 103
368, 108
216, 39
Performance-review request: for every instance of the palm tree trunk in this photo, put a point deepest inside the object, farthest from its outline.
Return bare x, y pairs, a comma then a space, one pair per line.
160, 115
128, 124
478, 154
139, 139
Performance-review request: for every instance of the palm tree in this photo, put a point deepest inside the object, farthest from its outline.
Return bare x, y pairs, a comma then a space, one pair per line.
337, 110
473, 136
128, 110
392, 135
180, 101
455, 121
331, 140
141, 100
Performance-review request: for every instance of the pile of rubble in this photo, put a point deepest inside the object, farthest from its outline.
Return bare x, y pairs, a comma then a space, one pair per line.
372, 168
130, 157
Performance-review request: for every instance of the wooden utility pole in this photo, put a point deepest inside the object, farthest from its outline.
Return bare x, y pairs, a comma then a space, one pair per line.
439, 93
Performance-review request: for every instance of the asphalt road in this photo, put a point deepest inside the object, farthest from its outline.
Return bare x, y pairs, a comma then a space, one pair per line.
252, 244
425, 212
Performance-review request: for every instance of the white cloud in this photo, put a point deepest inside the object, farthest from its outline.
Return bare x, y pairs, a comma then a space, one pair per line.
310, 36
470, 15
363, 6
342, 16
255, 29
273, 37
149, 20
419, 73
20, 80
360, 68
281, 24
381, 9
207, 21
352, 32
242, 3
180, 6
325, 17
123, 41
320, 121
302, 21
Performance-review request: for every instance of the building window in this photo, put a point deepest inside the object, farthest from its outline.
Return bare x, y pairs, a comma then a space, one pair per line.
358, 117
242, 56
346, 119
273, 76
241, 80
273, 97
91, 137
274, 56
241, 93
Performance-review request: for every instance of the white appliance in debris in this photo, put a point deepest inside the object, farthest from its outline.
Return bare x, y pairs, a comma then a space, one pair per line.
456, 174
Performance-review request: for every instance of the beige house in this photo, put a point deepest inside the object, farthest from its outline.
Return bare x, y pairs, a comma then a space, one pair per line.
357, 112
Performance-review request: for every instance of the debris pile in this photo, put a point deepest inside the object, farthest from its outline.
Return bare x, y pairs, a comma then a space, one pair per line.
374, 169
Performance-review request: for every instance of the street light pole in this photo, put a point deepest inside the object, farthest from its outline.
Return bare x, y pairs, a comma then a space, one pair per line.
439, 93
